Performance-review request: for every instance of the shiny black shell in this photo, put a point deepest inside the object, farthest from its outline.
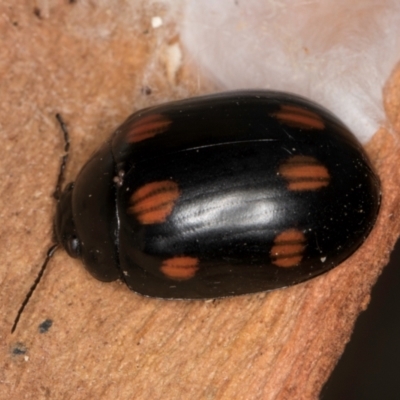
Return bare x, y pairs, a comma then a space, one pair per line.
221, 195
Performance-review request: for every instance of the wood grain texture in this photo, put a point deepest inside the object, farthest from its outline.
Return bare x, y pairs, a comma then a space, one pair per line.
105, 341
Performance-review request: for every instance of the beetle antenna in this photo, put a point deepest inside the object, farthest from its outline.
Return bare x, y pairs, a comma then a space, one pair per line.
57, 191
50, 254
56, 195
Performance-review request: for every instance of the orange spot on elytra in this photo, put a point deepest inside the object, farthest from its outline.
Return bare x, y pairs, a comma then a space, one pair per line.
298, 117
288, 248
147, 127
304, 173
154, 202
180, 268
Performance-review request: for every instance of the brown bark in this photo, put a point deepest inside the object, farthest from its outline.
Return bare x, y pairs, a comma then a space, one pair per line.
105, 341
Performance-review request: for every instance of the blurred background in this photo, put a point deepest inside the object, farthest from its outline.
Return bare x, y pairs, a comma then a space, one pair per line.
369, 368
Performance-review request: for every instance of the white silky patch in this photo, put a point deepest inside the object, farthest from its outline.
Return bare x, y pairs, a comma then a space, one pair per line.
338, 53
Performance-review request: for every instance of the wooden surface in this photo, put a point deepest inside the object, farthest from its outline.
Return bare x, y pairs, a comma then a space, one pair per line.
106, 342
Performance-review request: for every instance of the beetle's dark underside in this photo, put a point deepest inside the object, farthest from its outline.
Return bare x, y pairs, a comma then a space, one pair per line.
224, 195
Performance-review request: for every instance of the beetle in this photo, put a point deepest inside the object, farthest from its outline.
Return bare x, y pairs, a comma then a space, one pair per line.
220, 195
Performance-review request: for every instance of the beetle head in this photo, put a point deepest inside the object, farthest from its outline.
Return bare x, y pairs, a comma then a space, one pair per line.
64, 226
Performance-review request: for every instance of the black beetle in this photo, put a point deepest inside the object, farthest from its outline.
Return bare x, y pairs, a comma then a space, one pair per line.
220, 195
